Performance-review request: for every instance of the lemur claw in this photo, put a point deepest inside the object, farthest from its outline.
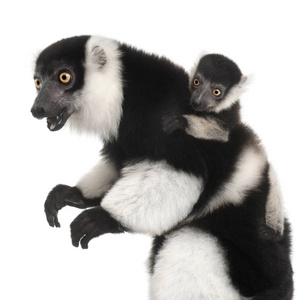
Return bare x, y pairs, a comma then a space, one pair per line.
60, 196
92, 223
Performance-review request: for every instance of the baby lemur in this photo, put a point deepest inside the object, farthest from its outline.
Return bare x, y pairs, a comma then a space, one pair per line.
215, 84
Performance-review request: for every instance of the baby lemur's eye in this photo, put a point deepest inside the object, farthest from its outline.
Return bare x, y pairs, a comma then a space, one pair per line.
216, 92
65, 77
196, 82
38, 83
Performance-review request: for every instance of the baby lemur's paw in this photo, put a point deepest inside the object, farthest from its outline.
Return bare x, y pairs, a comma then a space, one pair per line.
172, 123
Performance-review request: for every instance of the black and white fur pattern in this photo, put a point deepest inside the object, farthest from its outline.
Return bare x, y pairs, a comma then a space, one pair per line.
160, 184
211, 125
217, 126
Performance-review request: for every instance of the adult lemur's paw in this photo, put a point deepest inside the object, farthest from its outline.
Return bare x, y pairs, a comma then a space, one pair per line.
171, 123
92, 223
60, 196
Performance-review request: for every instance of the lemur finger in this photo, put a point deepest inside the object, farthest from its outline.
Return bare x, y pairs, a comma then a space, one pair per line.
86, 239
51, 214
79, 228
52, 219
56, 223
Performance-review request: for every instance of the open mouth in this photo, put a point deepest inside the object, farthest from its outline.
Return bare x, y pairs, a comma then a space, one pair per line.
56, 123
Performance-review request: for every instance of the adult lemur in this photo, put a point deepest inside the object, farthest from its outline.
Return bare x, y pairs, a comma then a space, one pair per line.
157, 183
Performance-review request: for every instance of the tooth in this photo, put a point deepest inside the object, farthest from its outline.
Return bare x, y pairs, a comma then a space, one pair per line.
52, 126
57, 117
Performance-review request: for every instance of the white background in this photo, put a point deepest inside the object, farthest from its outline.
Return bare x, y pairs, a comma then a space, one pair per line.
39, 262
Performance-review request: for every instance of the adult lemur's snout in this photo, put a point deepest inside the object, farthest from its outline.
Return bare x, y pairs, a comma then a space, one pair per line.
38, 112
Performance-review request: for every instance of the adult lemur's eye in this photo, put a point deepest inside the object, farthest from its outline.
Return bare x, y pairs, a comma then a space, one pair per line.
196, 82
38, 83
65, 77
216, 92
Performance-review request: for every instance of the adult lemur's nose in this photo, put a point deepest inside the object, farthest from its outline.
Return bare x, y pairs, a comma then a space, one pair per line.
38, 112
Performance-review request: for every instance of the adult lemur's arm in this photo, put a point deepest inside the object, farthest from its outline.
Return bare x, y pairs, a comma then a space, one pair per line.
149, 197
87, 193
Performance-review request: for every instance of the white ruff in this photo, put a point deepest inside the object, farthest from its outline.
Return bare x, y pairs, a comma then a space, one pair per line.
99, 180
191, 265
232, 97
152, 197
99, 104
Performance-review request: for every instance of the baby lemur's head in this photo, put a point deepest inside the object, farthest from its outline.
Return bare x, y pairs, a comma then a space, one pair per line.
216, 83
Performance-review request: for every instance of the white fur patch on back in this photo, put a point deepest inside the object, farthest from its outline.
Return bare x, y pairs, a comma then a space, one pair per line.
247, 175
206, 128
152, 197
99, 180
99, 104
191, 265
274, 207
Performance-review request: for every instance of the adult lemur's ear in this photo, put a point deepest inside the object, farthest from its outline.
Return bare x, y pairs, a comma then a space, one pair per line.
98, 56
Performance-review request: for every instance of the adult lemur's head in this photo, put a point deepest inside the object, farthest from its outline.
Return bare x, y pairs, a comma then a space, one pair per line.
79, 79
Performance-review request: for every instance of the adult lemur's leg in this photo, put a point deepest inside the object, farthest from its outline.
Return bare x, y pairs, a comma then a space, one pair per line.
87, 193
149, 197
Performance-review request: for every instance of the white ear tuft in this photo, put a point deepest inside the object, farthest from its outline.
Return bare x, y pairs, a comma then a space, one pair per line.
243, 80
248, 79
98, 56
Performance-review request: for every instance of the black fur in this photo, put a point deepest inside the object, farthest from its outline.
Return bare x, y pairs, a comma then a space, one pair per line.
258, 259
92, 223
62, 195
62, 54
153, 87
257, 256
220, 69
156, 247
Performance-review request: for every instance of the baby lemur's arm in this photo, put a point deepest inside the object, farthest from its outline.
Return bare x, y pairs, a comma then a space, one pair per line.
207, 128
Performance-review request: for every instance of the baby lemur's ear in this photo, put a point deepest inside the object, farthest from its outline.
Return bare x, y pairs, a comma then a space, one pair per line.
243, 81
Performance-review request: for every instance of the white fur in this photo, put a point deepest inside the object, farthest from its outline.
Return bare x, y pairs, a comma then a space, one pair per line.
99, 180
232, 97
274, 207
248, 172
206, 128
152, 197
99, 104
191, 265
